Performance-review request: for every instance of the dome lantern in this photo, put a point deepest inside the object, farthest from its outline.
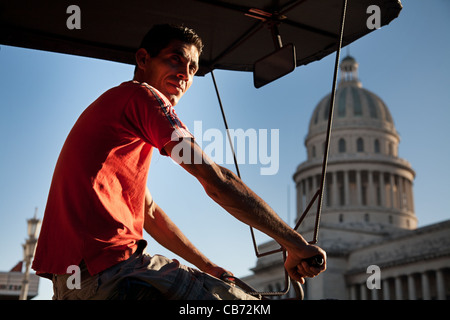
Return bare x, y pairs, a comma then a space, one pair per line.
349, 72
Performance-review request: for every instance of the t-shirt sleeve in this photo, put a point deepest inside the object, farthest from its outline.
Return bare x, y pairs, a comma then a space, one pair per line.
152, 118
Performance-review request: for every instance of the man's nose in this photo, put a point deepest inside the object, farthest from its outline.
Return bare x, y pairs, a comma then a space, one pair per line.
183, 72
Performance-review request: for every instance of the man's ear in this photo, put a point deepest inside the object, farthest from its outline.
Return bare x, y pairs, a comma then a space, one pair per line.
141, 58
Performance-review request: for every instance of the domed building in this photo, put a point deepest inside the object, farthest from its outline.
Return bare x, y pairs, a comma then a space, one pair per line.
368, 187
368, 221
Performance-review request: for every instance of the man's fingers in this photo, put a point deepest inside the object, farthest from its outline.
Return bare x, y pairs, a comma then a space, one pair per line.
306, 270
302, 271
295, 275
300, 267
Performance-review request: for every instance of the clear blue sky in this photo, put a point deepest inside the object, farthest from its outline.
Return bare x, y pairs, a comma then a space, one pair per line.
406, 64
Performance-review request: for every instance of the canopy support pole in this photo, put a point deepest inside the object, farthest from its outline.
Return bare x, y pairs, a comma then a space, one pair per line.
232, 150
319, 193
226, 124
329, 126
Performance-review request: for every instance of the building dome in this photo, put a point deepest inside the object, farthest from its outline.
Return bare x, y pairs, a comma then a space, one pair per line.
368, 187
355, 106
362, 123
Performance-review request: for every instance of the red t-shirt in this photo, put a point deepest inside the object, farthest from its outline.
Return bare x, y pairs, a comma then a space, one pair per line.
95, 206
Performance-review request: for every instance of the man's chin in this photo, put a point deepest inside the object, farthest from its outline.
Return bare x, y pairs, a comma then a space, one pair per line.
173, 98
172, 94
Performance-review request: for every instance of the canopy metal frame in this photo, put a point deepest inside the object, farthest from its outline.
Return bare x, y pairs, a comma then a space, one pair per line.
272, 20
320, 191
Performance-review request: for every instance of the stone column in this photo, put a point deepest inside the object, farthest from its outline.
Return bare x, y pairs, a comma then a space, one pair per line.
314, 185
440, 285
374, 293
346, 188
353, 292
410, 195
299, 198
363, 291
358, 188
425, 286
411, 288
334, 190
307, 191
401, 205
371, 194
386, 289
398, 289
382, 186
313, 191
392, 183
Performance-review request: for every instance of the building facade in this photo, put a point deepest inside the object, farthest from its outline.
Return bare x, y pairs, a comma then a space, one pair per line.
368, 223
11, 283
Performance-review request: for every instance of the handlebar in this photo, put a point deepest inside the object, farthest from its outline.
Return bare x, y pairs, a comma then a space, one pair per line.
316, 261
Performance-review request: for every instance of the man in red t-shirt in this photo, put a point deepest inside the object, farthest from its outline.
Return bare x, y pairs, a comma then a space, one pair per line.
99, 205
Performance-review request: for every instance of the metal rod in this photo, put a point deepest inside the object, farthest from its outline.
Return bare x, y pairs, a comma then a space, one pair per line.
226, 125
255, 246
276, 37
299, 222
330, 122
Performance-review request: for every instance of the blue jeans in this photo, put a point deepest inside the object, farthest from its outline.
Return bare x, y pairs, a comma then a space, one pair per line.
146, 277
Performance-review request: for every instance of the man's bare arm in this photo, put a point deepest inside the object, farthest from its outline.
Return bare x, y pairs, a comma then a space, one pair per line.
163, 230
226, 189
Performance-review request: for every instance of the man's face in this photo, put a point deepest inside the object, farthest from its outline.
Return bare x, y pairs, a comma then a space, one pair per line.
172, 70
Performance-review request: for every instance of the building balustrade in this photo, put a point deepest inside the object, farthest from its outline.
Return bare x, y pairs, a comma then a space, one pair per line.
428, 285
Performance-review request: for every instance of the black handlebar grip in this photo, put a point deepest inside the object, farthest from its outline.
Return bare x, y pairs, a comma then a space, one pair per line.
316, 261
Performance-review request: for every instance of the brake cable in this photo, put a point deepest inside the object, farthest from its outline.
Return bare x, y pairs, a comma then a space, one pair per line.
318, 195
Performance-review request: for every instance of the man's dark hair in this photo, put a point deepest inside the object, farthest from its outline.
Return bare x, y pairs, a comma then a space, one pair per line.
160, 35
